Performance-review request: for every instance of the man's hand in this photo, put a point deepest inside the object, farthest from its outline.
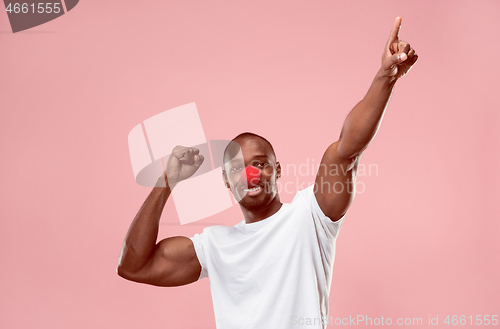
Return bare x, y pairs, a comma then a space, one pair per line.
398, 56
182, 164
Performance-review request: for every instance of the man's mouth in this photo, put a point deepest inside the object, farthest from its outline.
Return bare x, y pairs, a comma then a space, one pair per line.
253, 191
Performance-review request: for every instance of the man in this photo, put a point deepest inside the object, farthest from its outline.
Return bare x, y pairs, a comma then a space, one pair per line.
274, 269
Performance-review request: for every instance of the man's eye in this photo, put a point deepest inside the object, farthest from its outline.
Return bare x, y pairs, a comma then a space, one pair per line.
262, 164
236, 168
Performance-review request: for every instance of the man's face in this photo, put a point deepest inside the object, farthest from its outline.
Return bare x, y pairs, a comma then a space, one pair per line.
251, 151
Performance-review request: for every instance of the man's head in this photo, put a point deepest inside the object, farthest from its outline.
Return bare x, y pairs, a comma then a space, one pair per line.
248, 149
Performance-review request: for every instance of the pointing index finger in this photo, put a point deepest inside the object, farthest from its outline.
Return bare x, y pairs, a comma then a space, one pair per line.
395, 30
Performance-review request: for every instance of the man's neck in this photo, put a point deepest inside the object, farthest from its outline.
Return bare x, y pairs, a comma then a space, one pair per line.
256, 216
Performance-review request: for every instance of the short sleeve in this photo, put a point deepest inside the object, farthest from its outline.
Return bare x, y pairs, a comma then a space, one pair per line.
323, 222
200, 253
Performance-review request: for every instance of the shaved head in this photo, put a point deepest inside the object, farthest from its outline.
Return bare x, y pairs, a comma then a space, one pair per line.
233, 147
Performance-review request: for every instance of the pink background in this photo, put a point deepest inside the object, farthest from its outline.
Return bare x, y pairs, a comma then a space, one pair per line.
421, 240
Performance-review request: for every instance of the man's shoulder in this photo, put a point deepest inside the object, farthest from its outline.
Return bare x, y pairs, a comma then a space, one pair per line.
302, 196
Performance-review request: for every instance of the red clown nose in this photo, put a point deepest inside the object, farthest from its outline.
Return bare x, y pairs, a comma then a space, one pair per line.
251, 175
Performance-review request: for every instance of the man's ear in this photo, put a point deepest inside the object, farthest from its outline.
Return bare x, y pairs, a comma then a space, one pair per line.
224, 178
278, 170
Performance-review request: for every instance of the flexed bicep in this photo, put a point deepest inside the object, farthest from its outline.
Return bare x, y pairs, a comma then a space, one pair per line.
173, 263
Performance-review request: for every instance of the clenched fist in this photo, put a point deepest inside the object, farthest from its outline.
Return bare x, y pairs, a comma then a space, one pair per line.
398, 56
182, 164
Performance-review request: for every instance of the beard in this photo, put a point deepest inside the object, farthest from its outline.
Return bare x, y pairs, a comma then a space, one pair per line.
254, 204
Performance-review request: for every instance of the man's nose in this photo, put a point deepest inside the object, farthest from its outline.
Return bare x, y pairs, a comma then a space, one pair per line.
251, 175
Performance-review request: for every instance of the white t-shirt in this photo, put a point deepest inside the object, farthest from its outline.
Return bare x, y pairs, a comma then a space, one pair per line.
275, 273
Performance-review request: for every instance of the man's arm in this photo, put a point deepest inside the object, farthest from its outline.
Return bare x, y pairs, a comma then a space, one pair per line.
172, 261
336, 179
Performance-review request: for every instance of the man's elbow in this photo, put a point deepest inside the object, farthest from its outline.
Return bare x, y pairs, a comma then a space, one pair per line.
121, 272
124, 273
340, 151
347, 151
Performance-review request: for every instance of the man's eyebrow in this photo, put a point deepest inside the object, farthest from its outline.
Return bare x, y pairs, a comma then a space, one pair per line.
260, 156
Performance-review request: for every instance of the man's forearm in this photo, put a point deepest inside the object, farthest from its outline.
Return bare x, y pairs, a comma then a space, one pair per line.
140, 240
363, 121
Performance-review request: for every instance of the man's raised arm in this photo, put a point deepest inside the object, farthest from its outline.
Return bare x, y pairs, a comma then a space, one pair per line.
172, 261
335, 183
